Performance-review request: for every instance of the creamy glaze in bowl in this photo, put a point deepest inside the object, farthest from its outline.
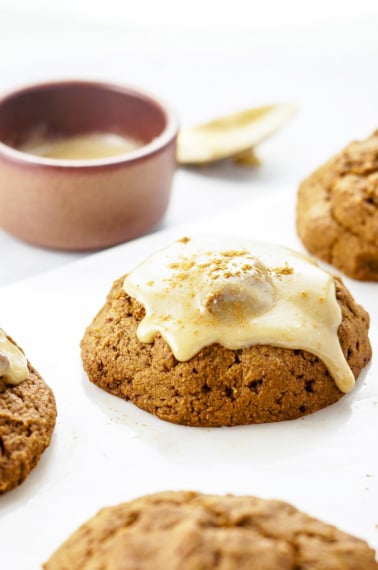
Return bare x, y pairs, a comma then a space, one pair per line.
82, 204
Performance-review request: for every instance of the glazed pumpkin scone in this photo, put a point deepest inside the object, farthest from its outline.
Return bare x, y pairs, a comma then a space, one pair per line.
27, 415
223, 332
190, 531
337, 210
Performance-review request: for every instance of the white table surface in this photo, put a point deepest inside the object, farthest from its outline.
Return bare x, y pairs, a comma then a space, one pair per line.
105, 451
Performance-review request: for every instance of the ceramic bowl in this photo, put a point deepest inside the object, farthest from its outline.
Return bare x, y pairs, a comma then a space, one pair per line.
84, 204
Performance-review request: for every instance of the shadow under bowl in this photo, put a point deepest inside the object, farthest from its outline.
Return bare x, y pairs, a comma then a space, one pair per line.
84, 204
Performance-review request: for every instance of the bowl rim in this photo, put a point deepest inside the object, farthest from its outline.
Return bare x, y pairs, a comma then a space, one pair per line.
164, 139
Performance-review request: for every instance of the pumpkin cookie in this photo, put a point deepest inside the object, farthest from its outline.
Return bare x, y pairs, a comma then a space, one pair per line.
27, 415
230, 342
187, 530
337, 210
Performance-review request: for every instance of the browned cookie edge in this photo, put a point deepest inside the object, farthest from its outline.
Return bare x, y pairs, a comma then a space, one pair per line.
27, 420
337, 211
188, 530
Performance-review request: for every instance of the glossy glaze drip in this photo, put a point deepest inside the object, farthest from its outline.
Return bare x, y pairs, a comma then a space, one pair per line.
239, 293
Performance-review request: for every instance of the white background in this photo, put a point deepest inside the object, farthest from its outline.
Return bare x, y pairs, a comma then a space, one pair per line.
206, 58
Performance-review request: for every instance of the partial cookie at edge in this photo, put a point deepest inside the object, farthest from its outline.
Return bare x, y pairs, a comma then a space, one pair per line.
337, 210
27, 420
190, 531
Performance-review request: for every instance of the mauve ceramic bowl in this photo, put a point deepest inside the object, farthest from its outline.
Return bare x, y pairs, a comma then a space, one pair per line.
82, 204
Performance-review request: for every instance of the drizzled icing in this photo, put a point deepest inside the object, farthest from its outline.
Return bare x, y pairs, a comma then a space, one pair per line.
239, 293
13, 363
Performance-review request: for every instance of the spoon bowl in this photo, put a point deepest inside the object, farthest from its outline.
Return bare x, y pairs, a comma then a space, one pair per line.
231, 136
